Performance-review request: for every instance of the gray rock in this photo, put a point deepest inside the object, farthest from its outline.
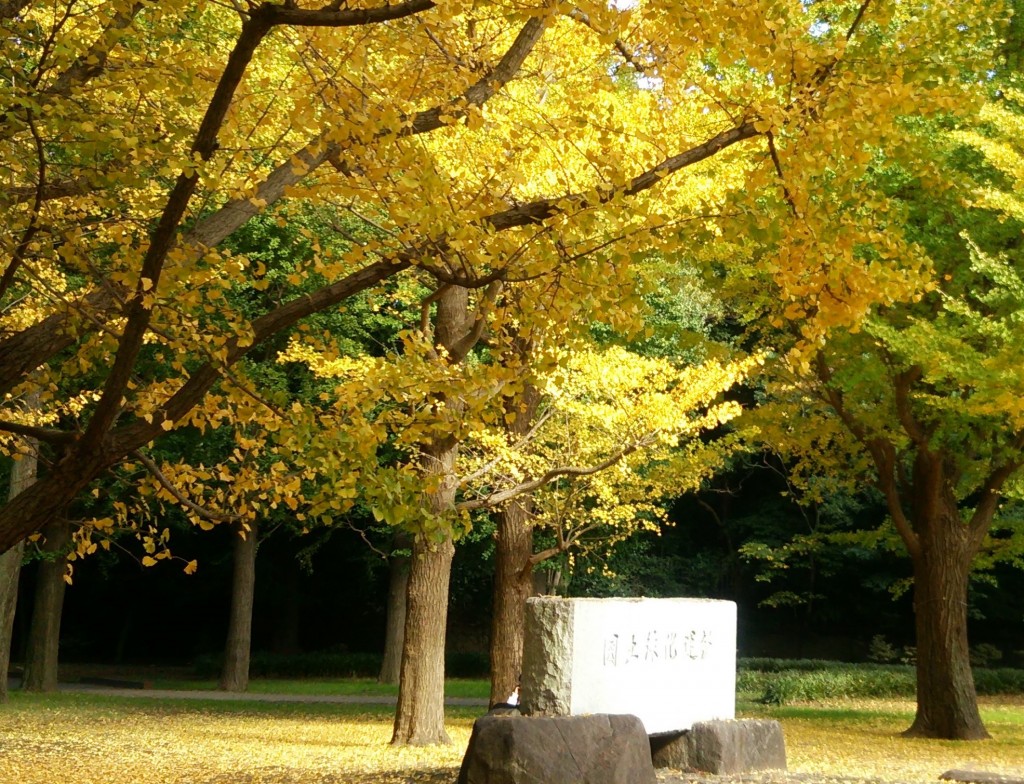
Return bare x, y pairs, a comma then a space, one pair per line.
593, 749
723, 747
546, 680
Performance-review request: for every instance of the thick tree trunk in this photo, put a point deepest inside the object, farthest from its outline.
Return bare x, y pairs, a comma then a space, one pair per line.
23, 473
419, 718
234, 675
947, 704
44, 633
394, 632
513, 583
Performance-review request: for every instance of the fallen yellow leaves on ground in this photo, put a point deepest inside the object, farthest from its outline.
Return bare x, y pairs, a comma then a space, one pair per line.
144, 742
861, 738
77, 739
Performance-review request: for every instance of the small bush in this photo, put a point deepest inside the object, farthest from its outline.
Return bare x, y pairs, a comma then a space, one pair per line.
881, 651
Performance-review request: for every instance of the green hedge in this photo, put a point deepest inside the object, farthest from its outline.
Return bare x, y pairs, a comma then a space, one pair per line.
780, 682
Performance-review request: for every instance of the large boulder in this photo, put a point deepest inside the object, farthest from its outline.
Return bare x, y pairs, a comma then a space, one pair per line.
722, 747
592, 749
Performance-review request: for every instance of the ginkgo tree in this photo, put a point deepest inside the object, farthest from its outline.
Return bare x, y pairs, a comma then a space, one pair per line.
612, 435
603, 419
137, 137
923, 397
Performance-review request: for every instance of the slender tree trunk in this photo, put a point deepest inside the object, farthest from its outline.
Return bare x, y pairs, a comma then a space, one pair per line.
947, 704
513, 584
10, 570
394, 632
23, 473
44, 633
235, 672
513, 571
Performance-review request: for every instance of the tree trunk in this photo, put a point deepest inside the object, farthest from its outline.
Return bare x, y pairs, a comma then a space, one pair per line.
10, 570
513, 571
23, 473
419, 718
513, 583
44, 633
394, 632
234, 675
947, 704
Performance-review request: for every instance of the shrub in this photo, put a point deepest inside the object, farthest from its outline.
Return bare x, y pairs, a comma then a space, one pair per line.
807, 681
881, 651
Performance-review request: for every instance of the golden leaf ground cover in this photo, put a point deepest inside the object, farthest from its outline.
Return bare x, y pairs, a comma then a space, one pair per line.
862, 738
77, 739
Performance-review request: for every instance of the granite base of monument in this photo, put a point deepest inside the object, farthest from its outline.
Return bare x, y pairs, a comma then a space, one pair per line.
592, 749
722, 747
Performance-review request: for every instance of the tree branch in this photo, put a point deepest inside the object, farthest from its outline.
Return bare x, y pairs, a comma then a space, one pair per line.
980, 522
542, 209
139, 313
11, 8
774, 153
465, 344
552, 474
330, 16
883, 455
584, 19
180, 497
902, 383
18, 257
214, 229
86, 66
46, 434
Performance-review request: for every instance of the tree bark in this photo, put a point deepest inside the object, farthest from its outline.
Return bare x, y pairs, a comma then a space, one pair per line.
23, 473
947, 703
419, 718
513, 569
513, 583
234, 675
394, 632
44, 633
419, 715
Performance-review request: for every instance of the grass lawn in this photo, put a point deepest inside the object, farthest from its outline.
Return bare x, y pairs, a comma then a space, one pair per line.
88, 739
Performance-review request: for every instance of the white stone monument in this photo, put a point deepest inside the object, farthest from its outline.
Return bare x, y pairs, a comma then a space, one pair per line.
672, 662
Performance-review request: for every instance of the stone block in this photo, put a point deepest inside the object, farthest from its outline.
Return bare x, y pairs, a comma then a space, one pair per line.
722, 747
669, 661
594, 749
